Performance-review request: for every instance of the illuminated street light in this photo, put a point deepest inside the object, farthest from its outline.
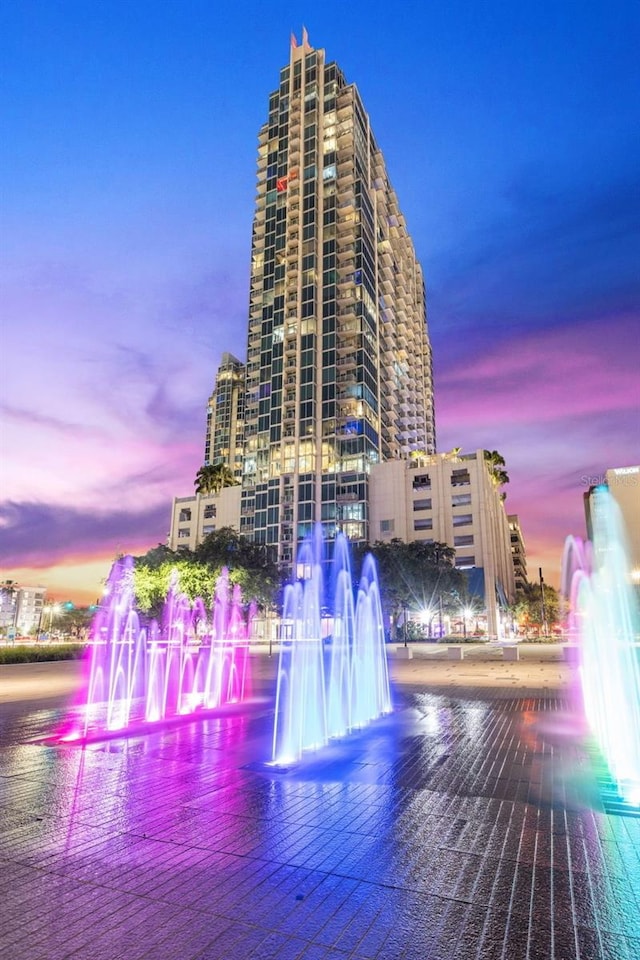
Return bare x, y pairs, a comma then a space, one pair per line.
426, 618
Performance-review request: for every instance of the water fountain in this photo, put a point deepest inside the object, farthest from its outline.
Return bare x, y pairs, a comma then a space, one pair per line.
140, 674
604, 618
327, 689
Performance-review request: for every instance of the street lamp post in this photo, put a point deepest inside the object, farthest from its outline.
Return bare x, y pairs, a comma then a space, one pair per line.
544, 612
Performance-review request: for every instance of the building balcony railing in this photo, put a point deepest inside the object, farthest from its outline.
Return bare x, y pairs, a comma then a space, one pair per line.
346, 362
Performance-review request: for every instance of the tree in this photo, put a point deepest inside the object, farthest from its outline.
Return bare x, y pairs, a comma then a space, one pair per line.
528, 607
416, 576
210, 479
249, 565
496, 463
74, 622
158, 556
260, 578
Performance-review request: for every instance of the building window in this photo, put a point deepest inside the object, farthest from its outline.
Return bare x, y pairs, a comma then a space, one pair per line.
387, 526
208, 528
462, 519
185, 515
184, 532
209, 511
425, 523
464, 541
460, 478
422, 482
461, 500
422, 504
463, 562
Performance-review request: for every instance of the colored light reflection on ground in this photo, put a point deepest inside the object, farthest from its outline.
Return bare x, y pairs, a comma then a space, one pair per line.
327, 689
139, 674
459, 826
604, 618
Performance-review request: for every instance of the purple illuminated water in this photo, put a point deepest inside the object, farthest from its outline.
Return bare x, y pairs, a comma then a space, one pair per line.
325, 690
140, 674
604, 620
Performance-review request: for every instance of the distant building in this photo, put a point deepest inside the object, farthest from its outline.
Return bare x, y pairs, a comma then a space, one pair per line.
518, 552
195, 517
21, 609
9, 592
624, 486
452, 499
225, 417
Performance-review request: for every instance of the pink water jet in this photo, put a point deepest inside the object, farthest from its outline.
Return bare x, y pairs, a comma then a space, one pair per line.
138, 674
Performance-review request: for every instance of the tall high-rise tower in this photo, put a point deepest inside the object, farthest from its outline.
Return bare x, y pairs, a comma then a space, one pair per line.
225, 416
339, 362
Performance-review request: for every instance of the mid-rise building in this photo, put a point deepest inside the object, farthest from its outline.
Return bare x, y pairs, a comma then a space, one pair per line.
193, 518
225, 417
339, 371
518, 551
21, 609
450, 498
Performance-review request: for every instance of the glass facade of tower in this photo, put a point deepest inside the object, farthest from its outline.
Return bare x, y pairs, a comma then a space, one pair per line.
338, 372
225, 417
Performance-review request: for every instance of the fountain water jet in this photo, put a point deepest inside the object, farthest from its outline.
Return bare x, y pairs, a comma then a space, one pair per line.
604, 618
326, 693
141, 674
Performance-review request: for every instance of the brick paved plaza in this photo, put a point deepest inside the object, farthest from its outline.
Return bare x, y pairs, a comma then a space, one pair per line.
472, 823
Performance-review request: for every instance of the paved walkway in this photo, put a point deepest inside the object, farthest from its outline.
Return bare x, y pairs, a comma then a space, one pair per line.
474, 822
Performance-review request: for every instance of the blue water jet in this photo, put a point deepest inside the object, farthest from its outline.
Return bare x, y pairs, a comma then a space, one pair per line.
326, 690
604, 618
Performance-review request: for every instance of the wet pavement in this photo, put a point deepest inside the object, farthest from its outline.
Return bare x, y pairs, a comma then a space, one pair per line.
474, 822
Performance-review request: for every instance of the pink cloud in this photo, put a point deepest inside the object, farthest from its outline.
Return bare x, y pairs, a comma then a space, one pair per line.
544, 376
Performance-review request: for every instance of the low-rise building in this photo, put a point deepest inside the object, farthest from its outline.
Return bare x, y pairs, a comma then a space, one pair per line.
450, 498
194, 518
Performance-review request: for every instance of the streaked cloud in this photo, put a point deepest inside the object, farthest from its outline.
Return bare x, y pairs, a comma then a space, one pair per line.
40, 534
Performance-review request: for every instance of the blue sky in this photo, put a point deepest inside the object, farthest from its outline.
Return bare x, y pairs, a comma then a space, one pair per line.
127, 177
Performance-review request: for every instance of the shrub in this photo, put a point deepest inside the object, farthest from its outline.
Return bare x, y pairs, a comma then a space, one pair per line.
42, 653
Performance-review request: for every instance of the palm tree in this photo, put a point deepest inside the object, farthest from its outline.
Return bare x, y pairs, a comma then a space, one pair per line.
211, 478
496, 463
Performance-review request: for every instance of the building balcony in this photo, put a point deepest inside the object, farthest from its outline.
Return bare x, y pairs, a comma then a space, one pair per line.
348, 205
346, 362
345, 225
345, 268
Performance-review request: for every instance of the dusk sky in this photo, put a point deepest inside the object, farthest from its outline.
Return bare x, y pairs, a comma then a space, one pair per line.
127, 183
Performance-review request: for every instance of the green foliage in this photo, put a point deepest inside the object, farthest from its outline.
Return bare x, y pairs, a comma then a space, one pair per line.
528, 608
416, 576
158, 556
497, 464
71, 622
249, 565
212, 478
41, 652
